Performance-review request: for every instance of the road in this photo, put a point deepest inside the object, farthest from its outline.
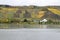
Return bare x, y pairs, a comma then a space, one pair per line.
29, 34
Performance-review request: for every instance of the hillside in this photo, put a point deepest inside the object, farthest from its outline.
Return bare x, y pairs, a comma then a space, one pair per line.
8, 12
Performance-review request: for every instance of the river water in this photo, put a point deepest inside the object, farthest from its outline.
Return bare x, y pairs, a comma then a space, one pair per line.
15, 26
29, 32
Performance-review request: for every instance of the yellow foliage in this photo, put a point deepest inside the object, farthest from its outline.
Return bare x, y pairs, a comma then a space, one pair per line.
40, 14
10, 9
55, 11
4, 20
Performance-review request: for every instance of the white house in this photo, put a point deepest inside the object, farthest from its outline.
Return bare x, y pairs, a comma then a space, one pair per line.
44, 20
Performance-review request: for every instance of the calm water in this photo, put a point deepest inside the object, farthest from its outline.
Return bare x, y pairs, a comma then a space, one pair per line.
28, 26
29, 34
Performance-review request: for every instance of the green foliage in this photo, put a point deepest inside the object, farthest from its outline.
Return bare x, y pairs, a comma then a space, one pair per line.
49, 21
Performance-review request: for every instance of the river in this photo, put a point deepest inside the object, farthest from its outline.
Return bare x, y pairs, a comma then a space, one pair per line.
29, 32
15, 26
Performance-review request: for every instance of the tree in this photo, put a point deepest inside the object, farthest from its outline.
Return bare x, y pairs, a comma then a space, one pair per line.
50, 21
25, 20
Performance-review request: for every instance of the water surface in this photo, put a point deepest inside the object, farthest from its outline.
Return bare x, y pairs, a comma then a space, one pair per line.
28, 26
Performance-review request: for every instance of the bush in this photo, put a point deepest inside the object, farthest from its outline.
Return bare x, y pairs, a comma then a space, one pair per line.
49, 21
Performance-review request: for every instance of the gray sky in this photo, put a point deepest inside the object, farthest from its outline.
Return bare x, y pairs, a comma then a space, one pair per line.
30, 2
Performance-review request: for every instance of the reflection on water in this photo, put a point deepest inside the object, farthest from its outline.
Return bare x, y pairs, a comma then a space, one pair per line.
28, 26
